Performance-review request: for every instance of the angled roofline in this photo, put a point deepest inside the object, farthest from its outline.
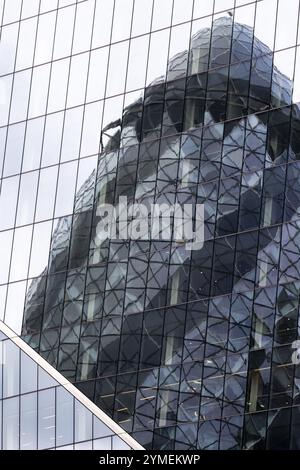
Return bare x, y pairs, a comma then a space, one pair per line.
109, 422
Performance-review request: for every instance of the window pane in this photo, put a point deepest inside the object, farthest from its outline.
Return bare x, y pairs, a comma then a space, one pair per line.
72, 134
64, 32
28, 374
58, 85
97, 74
39, 91
46, 193
40, 248
14, 149
11, 369
117, 68
5, 253
102, 22
77, 80
83, 423
8, 201
45, 38
33, 144
66, 189
52, 139
122, 20
5, 92
137, 63
46, 418
11, 424
64, 417
15, 306
20, 96
27, 196
91, 129
8, 46
21, 251
141, 17
26, 43
28, 421
83, 27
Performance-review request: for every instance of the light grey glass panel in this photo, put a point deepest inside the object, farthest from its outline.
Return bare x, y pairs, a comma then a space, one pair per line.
26, 43
97, 74
162, 12
45, 380
5, 253
102, 22
203, 8
122, 20
46, 193
66, 189
88, 445
83, 27
287, 22
52, 139
223, 5
39, 90
77, 80
21, 252
3, 290
3, 132
12, 11
141, 17
58, 85
14, 149
11, 424
30, 8
28, 422
158, 55
119, 444
15, 305
45, 38
137, 63
5, 92
83, 423
28, 374
64, 32
40, 248
47, 5
27, 198
33, 144
20, 96
102, 444
182, 11
265, 9
86, 167
100, 429
46, 418
8, 45
72, 134
117, 68
91, 129
8, 201
11, 369
64, 417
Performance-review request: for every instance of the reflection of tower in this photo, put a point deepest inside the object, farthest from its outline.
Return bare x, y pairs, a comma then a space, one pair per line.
159, 336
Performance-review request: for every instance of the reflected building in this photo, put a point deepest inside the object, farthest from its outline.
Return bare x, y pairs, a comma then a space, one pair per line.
188, 349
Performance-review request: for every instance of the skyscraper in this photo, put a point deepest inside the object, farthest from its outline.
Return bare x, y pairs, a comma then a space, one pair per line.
162, 102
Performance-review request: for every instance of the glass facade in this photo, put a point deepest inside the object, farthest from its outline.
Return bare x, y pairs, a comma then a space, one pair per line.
40, 409
162, 101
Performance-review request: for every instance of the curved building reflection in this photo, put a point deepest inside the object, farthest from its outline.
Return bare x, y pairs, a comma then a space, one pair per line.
188, 349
